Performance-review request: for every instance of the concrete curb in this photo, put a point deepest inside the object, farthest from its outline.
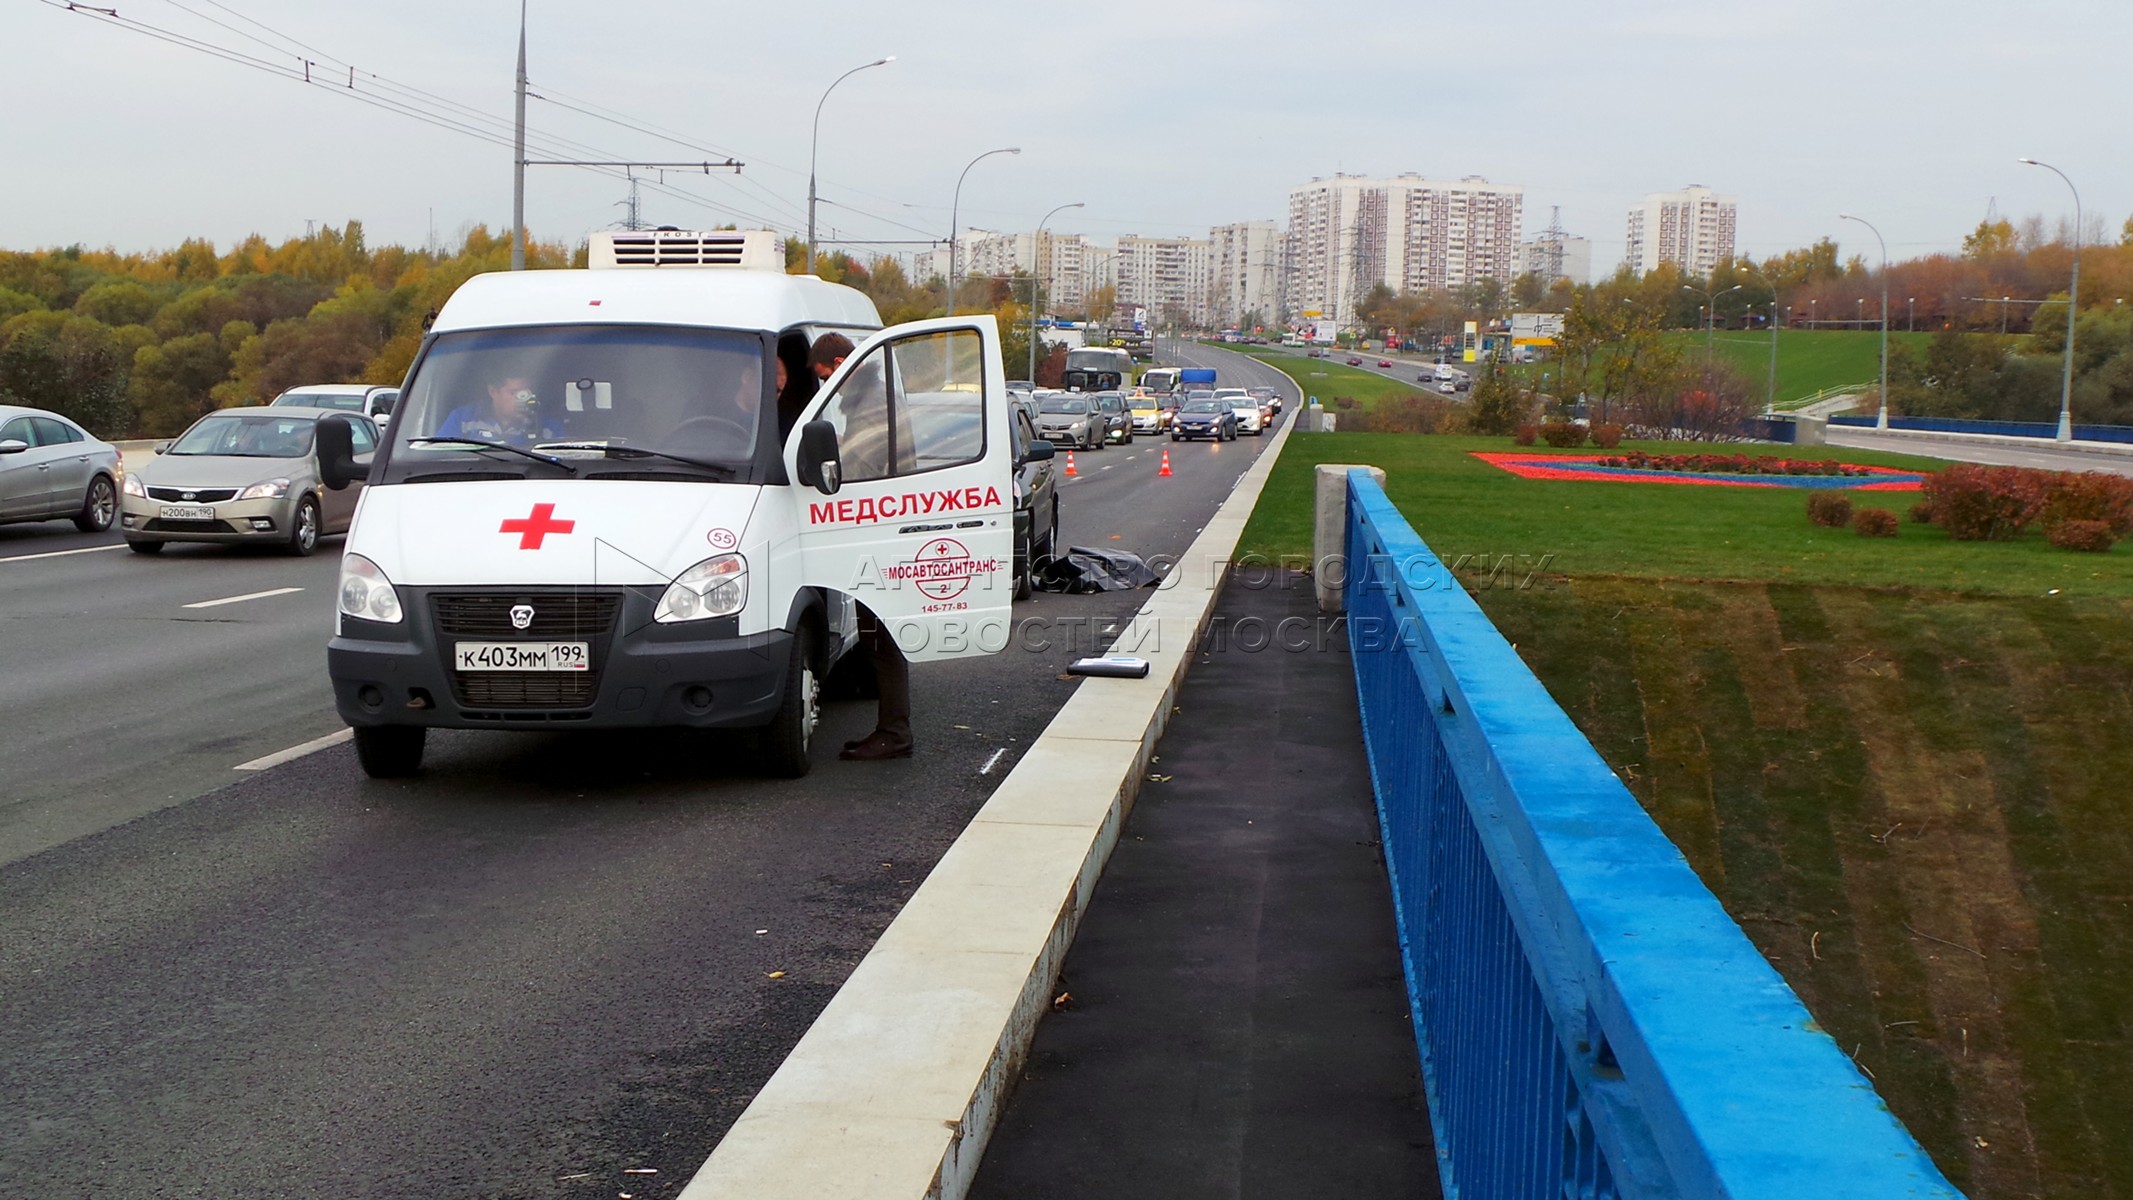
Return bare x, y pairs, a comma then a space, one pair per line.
894, 1091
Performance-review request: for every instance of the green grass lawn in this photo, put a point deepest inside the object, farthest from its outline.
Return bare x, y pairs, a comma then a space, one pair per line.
1809, 360
1463, 506
1899, 763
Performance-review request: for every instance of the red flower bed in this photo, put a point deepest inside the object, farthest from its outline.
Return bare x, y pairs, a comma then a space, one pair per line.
1734, 464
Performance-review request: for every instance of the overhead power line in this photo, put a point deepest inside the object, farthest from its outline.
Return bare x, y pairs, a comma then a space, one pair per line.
393, 97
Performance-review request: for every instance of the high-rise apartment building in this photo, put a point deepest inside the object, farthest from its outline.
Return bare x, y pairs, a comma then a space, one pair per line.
1069, 268
1168, 276
1245, 265
1691, 228
1349, 233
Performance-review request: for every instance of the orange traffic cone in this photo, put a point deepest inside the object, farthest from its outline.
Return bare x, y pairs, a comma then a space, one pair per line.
1166, 462
1070, 471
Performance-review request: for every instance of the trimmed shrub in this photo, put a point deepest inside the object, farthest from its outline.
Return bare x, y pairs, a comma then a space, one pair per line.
1563, 435
1874, 522
1607, 436
2092, 537
1921, 513
2090, 496
1525, 434
1986, 504
1830, 510
1736, 464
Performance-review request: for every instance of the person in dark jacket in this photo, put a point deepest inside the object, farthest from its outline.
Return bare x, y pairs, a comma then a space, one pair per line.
892, 671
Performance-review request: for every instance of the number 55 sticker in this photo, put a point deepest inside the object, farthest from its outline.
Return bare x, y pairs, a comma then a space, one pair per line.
722, 539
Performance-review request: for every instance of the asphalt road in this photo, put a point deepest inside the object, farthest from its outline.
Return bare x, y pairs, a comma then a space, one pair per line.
543, 962
2044, 455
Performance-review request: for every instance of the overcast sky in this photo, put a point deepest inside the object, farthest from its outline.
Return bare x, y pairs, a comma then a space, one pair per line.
1165, 117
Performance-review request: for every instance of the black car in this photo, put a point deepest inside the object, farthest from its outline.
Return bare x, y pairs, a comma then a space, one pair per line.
1117, 417
1210, 418
1036, 501
1266, 395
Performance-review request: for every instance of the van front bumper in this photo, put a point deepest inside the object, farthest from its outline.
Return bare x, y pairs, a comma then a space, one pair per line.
642, 674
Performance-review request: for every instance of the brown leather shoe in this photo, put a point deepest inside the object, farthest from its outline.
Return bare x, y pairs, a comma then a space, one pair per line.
874, 746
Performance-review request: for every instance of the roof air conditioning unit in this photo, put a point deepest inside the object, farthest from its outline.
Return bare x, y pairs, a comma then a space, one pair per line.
734, 249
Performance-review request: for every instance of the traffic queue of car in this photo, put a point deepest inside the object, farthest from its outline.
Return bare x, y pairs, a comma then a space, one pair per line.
1091, 420
237, 476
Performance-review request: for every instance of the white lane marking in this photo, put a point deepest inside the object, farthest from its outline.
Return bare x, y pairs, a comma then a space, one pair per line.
295, 752
1108, 466
247, 596
992, 762
64, 553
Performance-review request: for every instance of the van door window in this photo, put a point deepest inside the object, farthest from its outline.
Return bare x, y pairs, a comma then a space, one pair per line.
911, 406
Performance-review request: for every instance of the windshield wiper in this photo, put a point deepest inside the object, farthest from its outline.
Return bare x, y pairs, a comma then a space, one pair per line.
550, 459
611, 451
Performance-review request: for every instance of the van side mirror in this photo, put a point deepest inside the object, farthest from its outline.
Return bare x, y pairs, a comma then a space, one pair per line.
336, 453
1038, 451
818, 464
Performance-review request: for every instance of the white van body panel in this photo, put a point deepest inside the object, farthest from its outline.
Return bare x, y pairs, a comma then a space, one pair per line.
705, 298
619, 531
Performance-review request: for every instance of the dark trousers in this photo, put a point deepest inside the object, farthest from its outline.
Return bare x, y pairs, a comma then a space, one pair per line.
892, 676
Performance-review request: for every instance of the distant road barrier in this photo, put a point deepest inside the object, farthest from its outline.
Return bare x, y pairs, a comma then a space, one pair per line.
1591, 1023
2033, 429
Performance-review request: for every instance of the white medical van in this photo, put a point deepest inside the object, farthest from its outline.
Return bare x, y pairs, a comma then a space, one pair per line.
595, 508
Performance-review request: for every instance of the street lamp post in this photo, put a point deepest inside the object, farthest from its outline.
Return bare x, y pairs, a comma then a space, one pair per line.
1881, 420
1770, 397
1910, 314
816, 141
2073, 302
955, 218
1710, 316
1035, 243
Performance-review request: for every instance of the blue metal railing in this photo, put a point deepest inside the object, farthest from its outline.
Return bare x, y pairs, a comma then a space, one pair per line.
2033, 429
1591, 1023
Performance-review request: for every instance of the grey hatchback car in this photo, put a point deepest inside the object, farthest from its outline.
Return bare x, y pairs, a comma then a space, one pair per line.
53, 470
243, 475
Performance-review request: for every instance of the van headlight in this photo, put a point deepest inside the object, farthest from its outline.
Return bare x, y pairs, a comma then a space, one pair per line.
715, 587
366, 593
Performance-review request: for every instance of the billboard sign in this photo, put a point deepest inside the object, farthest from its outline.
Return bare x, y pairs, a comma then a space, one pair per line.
1536, 329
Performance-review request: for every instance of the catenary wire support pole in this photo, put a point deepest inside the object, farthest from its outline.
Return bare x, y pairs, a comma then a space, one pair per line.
955, 211
816, 140
518, 155
2073, 304
1036, 243
1881, 418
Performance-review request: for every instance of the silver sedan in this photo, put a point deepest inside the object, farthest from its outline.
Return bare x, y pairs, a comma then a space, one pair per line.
242, 475
52, 469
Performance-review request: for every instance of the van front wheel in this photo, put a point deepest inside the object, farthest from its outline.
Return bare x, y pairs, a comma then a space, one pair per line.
390, 751
783, 744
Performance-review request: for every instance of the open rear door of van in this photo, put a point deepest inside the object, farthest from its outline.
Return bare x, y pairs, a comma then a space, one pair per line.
920, 524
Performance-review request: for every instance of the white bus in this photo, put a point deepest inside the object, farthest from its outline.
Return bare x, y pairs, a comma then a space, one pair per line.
1098, 369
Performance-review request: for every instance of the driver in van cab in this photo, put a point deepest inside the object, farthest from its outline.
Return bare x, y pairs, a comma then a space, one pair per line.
511, 414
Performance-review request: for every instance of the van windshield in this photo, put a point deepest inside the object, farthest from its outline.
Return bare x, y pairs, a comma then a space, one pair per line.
565, 391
